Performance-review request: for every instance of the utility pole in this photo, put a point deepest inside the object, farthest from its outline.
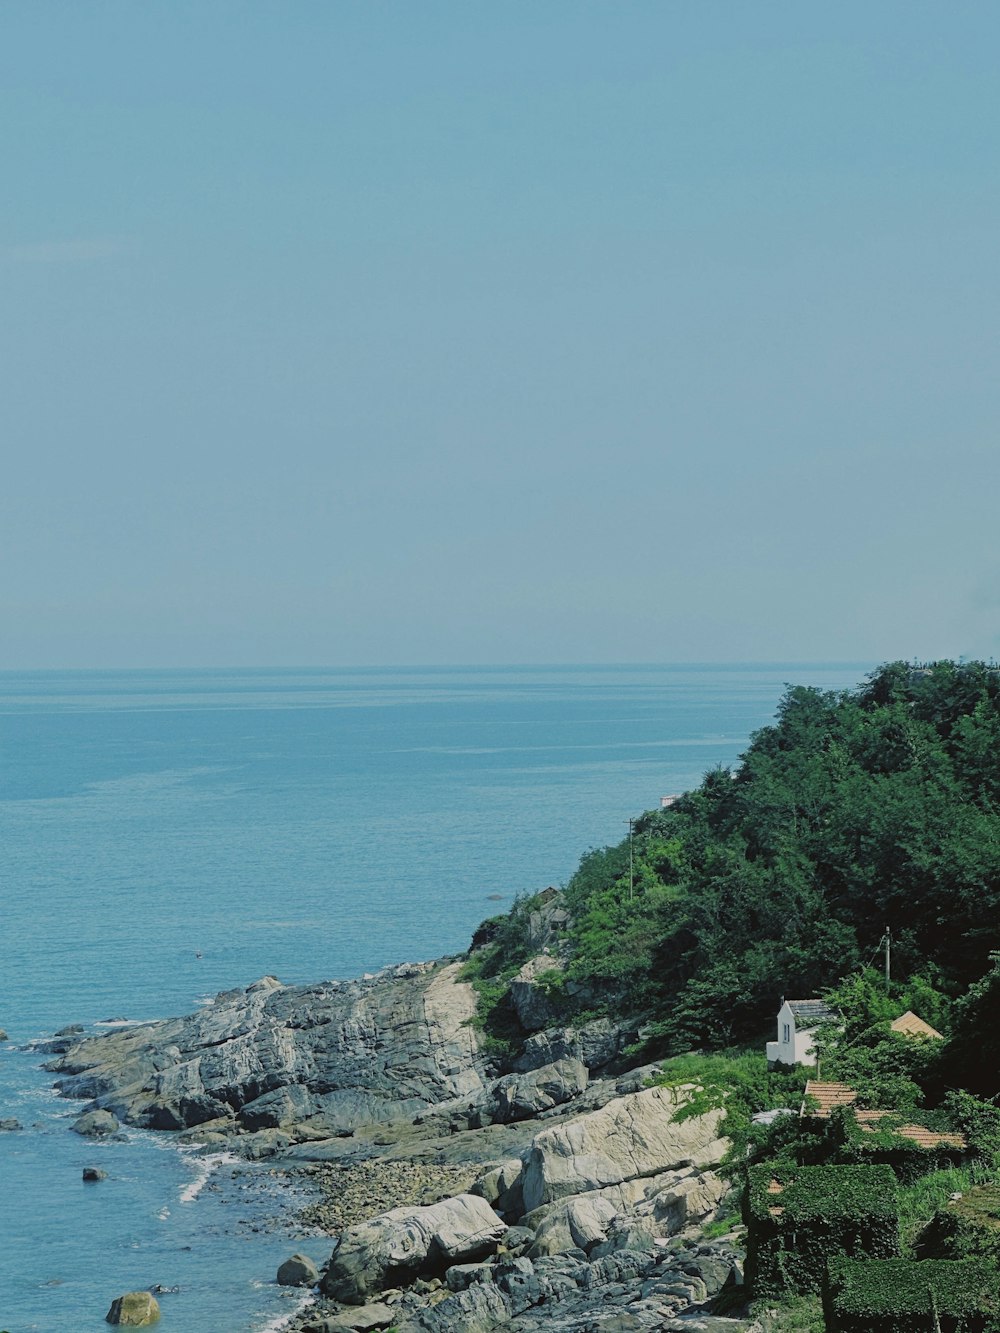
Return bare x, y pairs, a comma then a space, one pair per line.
885, 941
631, 862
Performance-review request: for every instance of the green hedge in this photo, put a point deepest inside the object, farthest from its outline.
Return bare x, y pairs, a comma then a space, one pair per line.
904, 1295
825, 1211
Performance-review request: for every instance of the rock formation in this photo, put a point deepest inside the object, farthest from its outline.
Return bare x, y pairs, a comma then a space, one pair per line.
136, 1309
463, 1196
298, 1271
407, 1243
333, 1056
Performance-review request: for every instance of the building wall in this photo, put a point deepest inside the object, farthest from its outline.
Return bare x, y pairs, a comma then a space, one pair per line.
791, 1047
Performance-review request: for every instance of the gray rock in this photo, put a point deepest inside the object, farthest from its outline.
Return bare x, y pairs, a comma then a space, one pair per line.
535, 1010
284, 1106
3, 1035
518, 1239
496, 1180
574, 1224
9, 1125
406, 1243
523, 1095
96, 1124
632, 1137
595, 1044
298, 1271
687, 1202
94, 1173
137, 1309
362, 1320
460, 1276
71, 1030
346, 1054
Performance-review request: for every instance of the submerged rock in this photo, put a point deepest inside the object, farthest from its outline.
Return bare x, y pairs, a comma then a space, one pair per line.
137, 1309
96, 1124
93, 1173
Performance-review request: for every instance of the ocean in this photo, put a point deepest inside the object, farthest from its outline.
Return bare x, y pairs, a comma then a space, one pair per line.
165, 835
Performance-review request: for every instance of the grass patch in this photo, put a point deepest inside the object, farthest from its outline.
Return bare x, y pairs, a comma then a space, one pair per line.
921, 1199
798, 1314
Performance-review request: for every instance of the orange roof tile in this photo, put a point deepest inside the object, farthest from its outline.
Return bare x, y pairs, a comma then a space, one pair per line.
926, 1138
826, 1096
866, 1119
911, 1026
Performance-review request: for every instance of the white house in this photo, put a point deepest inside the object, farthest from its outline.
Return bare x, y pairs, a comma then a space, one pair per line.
797, 1022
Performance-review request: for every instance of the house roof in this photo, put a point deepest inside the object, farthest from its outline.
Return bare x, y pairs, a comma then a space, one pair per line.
829, 1095
912, 1026
925, 1138
808, 1013
826, 1096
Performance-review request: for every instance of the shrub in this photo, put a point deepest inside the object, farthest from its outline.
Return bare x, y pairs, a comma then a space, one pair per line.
797, 1217
902, 1295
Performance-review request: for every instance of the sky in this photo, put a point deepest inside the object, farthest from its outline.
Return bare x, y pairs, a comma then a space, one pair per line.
343, 333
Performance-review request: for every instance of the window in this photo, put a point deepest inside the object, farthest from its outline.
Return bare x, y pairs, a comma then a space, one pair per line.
786, 1033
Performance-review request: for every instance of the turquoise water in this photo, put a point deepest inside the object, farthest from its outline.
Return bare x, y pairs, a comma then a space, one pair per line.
166, 835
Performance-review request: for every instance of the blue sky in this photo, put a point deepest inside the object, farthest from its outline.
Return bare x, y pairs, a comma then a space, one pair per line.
343, 333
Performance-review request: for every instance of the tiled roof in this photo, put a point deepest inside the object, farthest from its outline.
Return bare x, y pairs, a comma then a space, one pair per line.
829, 1095
912, 1026
810, 1012
826, 1097
926, 1138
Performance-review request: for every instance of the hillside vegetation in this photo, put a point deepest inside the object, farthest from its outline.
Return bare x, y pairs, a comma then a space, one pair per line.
855, 811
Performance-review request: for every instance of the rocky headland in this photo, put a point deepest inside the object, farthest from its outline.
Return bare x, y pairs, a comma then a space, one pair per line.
556, 1189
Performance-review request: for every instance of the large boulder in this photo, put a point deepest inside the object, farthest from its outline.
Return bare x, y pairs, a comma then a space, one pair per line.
406, 1243
521, 1096
298, 1271
625, 1216
137, 1309
96, 1124
630, 1138
578, 1223
596, 1044
688, 1201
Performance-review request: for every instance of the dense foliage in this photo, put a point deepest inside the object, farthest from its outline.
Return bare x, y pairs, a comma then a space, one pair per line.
856, 811
900, 1295
798, 1217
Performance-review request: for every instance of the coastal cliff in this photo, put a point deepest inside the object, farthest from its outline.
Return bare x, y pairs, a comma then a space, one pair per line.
324, 1058
382, 1091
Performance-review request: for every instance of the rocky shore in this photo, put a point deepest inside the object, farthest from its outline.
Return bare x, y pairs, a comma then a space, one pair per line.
560, 1191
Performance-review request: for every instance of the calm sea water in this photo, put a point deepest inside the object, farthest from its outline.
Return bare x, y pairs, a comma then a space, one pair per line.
166, 835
